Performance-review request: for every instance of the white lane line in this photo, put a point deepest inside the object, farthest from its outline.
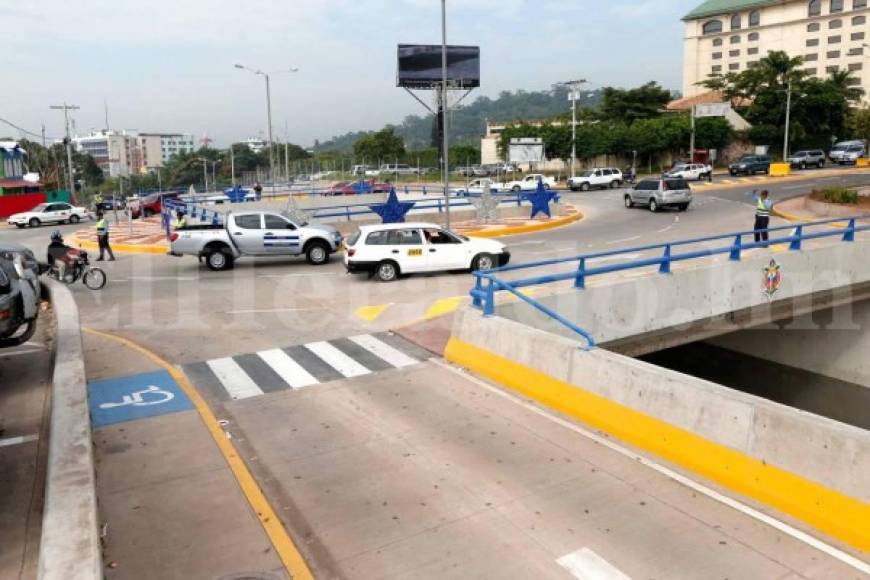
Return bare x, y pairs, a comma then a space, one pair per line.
622, 241
287, 368
384, 351
274, 310
584, 564
234, 379
10, 441
337, 359
20, 352
783, 527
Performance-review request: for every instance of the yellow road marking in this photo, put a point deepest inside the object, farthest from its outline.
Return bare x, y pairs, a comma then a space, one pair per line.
728, 181
443, 306
281, 541
371, 313
835, 513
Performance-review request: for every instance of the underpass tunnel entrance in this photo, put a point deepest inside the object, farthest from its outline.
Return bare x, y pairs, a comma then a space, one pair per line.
816, 363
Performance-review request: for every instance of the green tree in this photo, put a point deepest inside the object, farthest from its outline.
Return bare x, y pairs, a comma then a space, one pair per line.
858, 123
643, 102
384, 145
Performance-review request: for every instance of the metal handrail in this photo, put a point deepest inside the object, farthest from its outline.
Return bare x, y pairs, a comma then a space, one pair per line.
487, 283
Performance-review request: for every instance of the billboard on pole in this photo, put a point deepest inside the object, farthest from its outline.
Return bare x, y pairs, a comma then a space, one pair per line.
526, 150
420, 66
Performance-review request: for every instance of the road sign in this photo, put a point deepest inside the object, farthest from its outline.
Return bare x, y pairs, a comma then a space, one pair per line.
712, 110
526, 150
137, 397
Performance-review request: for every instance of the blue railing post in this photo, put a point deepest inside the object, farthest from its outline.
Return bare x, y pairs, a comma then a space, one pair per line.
347, 209
424, 191
665, 266
580, 280
735, 249
440, 209
849, 236
476, 300
798, 237
489, 303
214, 219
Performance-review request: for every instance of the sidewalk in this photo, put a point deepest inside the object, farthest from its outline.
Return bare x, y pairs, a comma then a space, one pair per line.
148, 237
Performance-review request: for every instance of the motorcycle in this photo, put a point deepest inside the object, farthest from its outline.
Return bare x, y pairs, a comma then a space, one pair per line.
19, 299
80, 269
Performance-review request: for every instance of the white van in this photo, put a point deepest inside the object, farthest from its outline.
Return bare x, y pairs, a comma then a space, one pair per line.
848, 151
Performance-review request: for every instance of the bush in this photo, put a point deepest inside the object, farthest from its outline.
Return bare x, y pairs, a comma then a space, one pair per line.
839, 195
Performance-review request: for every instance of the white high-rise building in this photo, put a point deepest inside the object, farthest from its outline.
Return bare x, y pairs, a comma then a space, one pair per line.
728, 36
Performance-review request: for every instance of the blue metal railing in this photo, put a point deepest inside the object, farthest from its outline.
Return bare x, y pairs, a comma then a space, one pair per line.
488, 283
354, 209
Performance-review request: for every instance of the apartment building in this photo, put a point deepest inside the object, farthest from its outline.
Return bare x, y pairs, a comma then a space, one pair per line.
115, 152
157, 149
728, 36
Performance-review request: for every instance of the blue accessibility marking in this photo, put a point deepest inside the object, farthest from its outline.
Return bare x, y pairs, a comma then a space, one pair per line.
136, 397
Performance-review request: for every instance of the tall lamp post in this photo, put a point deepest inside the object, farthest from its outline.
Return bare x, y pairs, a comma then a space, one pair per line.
787, 121
266, 75
574, 86
444, 141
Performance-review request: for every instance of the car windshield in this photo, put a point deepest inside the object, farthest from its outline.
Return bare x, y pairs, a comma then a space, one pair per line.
681, 168
587, 174
341, 184
354, 238
839, 148
40, 207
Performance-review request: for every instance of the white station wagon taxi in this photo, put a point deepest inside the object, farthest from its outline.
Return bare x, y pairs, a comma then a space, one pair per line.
390, 250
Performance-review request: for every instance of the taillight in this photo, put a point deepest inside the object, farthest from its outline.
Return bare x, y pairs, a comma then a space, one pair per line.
351, 252
173, 236
4, 314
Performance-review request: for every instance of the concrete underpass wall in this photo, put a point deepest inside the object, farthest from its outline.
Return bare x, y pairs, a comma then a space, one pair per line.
703, 298
815, 448
834, 343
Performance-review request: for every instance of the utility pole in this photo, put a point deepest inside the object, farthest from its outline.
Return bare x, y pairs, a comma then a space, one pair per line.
287, 162
233, 166
66, 109
787, 120
43, 136
445, 155
692, 140
574, 86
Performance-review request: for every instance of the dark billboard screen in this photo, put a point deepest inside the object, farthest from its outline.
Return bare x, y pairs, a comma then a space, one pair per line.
420, 65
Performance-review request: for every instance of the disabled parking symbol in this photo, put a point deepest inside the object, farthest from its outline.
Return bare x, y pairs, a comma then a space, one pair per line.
136, 397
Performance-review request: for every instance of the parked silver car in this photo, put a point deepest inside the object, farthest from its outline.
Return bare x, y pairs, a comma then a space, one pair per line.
19, 294
659, 193
807, 158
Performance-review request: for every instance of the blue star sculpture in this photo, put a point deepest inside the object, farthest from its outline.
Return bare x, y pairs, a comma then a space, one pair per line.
394, 211
541, 200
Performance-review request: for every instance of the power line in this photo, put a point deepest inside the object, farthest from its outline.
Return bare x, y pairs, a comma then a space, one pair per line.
25, 131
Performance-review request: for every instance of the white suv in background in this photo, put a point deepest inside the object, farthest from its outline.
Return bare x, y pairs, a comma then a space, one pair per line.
387, 251
690, 172
598, 178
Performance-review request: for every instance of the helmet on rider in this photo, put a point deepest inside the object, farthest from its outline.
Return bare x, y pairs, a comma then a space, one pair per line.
56, 236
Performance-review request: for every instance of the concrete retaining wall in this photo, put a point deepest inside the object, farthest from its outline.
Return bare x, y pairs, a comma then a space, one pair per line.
699, 299
834, 343
70, 545
816, 448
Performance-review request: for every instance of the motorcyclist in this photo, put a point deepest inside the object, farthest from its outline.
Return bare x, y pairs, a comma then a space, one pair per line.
59, 255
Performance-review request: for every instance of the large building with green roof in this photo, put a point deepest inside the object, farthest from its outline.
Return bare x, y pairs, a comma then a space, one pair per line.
723, 36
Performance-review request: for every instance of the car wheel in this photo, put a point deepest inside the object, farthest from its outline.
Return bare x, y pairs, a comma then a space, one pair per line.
34, 223
584, 186
147, 213
614, 184
628, 203
19, 226
317, 254
483, 262
683, 206
547, 187
803, 165
74, 219
573, 188
653, 205
218, 259
821, 164
387, 271
516, 189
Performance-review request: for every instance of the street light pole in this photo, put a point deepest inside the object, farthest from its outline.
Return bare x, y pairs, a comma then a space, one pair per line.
574, 85
444, 140
787, 120
268, 113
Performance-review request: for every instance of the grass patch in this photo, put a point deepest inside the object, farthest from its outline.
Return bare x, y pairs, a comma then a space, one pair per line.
840, 195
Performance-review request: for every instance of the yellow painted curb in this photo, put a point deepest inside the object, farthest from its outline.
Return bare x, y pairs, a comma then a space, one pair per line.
527, 229
830, 511
281, 541
371, 313
796, 219
125, 248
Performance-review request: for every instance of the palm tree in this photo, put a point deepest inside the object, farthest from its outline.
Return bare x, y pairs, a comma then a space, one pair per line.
846, 84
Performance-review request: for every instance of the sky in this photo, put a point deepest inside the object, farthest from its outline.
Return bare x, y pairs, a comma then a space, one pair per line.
167, 65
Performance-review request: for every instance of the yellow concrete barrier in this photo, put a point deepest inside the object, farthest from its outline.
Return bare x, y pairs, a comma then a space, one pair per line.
780, 169
863, 162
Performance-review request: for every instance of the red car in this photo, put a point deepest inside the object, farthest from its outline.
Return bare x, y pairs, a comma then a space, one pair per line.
149, 205
357, 187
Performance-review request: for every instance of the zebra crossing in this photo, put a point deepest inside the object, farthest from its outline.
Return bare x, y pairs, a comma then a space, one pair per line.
252, 375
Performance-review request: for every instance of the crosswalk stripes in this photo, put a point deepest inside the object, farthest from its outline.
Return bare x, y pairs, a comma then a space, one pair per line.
251, 375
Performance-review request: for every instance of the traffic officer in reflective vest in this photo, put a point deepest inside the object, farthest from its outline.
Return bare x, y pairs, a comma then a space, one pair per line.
103, 237
763, 206
180, 220
98, 202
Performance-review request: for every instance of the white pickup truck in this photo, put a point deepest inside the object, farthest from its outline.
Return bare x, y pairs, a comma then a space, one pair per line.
476, 187
527, 183
255, 233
